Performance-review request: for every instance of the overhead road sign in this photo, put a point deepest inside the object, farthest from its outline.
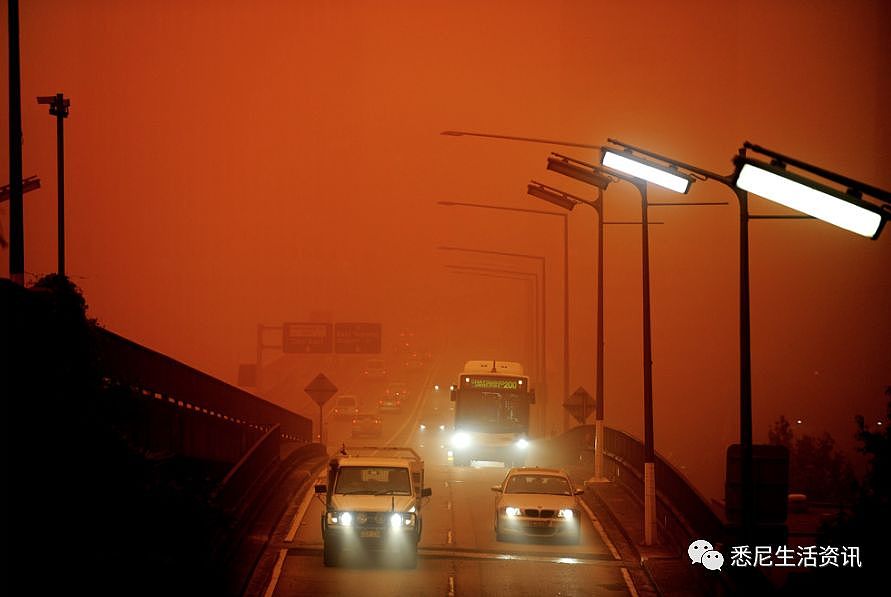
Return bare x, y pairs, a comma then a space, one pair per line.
306, 337
357, 338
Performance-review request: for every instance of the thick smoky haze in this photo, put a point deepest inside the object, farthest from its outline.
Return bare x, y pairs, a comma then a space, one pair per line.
230, 164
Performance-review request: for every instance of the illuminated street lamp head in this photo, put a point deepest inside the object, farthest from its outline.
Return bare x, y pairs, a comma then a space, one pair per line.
552, 195
625, 160
843, 209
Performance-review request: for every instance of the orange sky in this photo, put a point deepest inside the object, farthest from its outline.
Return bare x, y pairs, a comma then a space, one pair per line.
230, 163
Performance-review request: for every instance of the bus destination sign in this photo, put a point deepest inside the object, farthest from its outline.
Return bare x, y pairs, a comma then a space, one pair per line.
492, 383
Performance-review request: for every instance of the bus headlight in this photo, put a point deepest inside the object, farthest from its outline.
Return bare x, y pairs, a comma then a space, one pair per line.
461, 440
522, 443
566, 514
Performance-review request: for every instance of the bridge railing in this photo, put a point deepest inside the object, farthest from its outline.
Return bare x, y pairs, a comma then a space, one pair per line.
158, 376
683, 513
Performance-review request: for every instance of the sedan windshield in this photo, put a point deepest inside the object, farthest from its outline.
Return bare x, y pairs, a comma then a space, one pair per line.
538, 484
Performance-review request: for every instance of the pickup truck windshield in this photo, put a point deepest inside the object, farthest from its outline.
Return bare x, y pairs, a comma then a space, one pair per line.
373, 480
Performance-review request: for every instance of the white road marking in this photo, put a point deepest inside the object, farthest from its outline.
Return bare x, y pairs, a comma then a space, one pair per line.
449, 537
628, 582
451, 585
516, 557
600, 531
276, 572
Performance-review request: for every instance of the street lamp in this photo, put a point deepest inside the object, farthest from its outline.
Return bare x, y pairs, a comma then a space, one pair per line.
569, 167
544, 310
565, 279
764, 177
600, 176
58, 107
845, 210
567, 201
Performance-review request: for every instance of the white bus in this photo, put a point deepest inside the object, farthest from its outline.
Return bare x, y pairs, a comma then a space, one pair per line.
492, 401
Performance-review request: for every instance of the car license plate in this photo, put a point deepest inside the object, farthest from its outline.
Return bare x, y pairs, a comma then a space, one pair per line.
538, 523
371, 533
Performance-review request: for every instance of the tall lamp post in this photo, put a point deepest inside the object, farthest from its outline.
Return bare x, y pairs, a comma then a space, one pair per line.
565, 279
600, 176
58, 107
544, 309
773, 182
567, 201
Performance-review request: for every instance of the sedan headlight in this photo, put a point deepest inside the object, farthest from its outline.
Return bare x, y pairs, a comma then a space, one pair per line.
522, 443
396, 520
566, 514
461, 440
511, 511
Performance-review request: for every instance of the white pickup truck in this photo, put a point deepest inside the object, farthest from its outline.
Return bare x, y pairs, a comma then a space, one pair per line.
373, 504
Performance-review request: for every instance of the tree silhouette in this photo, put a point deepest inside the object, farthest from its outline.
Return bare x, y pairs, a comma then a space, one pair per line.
816, 468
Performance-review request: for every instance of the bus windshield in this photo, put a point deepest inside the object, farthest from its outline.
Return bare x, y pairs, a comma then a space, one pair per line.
494, 412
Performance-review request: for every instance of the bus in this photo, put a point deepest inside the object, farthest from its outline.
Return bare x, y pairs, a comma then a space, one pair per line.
492, 401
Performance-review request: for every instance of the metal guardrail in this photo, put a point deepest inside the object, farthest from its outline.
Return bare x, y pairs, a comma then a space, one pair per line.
248, 470
158, 376
682, 512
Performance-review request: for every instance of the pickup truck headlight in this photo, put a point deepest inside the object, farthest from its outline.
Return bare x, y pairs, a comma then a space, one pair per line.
344, 519
402, 519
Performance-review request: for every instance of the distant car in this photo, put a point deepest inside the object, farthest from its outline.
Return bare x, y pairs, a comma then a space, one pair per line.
389, 404
367, 425
398, 389
413, 362
346, 406
375, 369
439, 421
537, 502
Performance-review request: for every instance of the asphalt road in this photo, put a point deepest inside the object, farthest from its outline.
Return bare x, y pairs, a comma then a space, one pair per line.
458, 552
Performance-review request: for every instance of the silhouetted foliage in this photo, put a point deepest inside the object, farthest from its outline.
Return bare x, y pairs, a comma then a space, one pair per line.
867, 524
130, 521
870, 519
816, 468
